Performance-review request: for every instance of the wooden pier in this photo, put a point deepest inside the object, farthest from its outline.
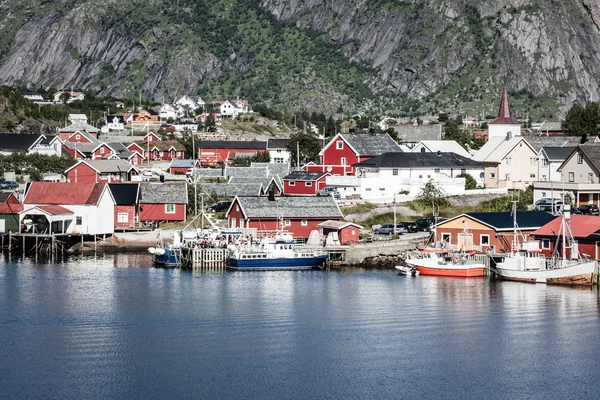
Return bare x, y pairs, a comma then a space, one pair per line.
206, 259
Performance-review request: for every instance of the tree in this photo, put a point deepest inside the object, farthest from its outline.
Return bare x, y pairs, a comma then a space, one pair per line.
64, 97
431, 195
583, 121
470, 182
209, 123
309, 145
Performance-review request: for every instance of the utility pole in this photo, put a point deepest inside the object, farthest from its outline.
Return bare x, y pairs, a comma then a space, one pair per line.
297, 155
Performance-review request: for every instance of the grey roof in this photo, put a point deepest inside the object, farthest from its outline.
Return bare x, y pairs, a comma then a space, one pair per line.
551, 126
107, 166
277, 143
182, 163
119, 138
537, 142
82, 147
237, 172
371, 145
82, 127
416, 133
208, 173
419, 160
304, 176
557, 153
164, 193
4, 197
592, 153
290, 207
232, 190
274, 168
265, 182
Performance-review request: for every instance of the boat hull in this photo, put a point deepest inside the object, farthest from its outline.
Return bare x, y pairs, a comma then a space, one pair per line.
470, 272
582, 274
169, 259
266, 264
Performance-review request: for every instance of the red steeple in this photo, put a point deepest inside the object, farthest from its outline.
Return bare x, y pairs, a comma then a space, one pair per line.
504, 116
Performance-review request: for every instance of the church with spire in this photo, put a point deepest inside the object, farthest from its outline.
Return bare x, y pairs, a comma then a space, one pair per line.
505, 125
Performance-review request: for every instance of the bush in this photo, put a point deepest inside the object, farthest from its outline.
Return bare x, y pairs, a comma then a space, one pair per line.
470, 182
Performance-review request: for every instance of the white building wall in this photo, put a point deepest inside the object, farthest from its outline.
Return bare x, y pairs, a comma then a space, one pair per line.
281, 155
500, 130
548, 173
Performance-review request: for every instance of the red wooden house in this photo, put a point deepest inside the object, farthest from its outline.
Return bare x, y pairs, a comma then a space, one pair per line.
346, 232
163, 201
127, 205
303, 182
586, 232
101, 171
10, 207
79, 136
161, 149
346, 149
212, 152
182, 166
300, 215
151, 137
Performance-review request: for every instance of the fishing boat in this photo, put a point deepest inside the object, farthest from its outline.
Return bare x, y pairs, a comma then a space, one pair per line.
274, 253
166, 256
441, 261
406, 270
526, 263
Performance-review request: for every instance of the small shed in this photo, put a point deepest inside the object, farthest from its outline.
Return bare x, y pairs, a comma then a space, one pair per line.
10, 207
46, 219
346, 232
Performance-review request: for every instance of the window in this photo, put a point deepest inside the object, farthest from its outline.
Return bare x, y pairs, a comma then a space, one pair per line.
437, 170
169, 208
579, 158
287, 222
544, 162
101, 150
590, 177
492, 175
382, 189
233, 221
123, 217
544, 177
278, 151
78, 221
463, 170
546, 244
77, 137
339, 144
484, 240
420, 176
307, 183
532, 176
304, 222
571, 176
508, 161
395, 171
507, 177
292, 183
278, 160
446, 237
343, 160
532, 160
367, 189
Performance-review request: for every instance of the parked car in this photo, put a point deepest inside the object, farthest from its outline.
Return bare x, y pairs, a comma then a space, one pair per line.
589, 209
329, 191
385, 229
549, 207
424, 224
9, 185
220, 206
409, 226
547, 201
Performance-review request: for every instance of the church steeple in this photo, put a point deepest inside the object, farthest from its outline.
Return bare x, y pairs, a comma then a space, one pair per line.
504, 116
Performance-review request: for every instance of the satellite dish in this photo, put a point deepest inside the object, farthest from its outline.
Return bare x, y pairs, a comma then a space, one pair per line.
329, 168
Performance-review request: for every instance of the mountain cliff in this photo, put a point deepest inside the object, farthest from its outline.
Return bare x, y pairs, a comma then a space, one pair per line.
429, 55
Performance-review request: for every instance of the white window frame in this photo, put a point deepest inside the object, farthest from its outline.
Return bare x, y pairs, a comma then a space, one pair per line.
447, 235
339, 145
579, 158
343, 160
287, 222
508, 161
481, 239
168, 207
101, 150
507, 177
307, 184
304, 222
122, 217
395, 171
571, 176
545, 244
532, 160
78, 221
292, 183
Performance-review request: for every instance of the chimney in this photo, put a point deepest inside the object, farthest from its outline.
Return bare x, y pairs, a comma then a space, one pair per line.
271, 195
439, 153
508, 135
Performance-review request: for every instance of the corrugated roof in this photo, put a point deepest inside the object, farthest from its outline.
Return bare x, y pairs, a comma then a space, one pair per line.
371, 145
108, 166
54, 210
182, 163
304, 176
290, 207
419, 160
63, 193
338, 225
277, 143
164, 193
125, 194
231, 172
537, 142
10, 208
592, 153
416, 133
582, 226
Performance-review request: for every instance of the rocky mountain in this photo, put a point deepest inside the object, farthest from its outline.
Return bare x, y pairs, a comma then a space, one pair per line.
430, 55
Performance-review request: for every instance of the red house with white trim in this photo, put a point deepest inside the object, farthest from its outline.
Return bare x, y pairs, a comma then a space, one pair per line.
346, 232
300, 215
346, 149
303, 182
212, 152
101, 171
586, 232
163, 201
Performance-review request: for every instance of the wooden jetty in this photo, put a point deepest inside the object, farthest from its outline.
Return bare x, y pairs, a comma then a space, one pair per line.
207, 259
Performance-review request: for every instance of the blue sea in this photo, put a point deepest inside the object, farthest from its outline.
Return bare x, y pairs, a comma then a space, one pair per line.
113, 327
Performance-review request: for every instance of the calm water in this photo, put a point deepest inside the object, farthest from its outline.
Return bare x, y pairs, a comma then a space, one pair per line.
112, 327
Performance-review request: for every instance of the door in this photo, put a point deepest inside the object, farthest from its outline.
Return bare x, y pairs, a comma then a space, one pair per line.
2, 226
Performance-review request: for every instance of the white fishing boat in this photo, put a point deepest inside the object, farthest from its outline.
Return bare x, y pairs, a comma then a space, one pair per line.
526, 263
407, 270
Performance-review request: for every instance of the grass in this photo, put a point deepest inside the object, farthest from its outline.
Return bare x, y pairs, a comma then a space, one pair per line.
358, 208
492, 205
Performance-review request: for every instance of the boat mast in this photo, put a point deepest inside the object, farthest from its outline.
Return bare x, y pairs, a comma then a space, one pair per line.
515, 244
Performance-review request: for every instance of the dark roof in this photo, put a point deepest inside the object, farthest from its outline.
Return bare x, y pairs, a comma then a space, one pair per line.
47, 139
592, 153
4, 197
233, 144
527, 220
125, 193
110, 118
151, 111
370, 145
419, 160
304, 176
290, 207
164, 193
540, 141
277, 143
17, 141
557, 153
504, 116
